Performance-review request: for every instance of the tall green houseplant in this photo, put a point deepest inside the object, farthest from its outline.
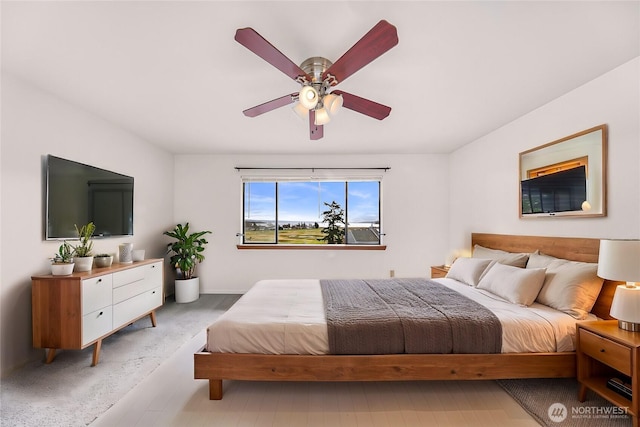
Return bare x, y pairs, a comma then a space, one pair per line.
186, 250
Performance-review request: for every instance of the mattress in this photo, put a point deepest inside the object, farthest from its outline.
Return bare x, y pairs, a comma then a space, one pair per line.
287, 317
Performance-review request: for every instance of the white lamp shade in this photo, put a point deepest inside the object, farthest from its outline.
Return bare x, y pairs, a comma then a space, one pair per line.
322, 117
332, 103
619, 260
308, 97
626, 304
300, 111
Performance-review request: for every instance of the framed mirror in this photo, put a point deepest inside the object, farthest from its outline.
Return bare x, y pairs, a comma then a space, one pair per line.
565, 178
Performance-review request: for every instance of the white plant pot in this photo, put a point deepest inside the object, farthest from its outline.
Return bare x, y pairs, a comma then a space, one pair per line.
83, 263
62, 269
187, 290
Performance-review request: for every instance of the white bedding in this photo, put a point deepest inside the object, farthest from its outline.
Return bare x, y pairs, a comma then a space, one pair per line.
287, 317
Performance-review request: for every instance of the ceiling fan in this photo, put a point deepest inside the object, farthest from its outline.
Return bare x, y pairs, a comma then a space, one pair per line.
318, 76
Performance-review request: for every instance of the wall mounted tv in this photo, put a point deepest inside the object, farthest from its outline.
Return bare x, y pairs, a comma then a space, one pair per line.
78, 194
557, 192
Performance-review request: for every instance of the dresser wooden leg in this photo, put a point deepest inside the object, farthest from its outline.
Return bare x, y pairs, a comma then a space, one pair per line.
51, 354
582, 394
96, 353
152, 316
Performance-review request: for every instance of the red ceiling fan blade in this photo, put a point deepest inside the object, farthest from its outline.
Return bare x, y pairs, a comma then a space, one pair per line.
363, 106
253, 41
269, 105
382, 37
315, 131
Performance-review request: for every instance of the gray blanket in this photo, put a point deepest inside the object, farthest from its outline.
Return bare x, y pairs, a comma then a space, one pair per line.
393, 316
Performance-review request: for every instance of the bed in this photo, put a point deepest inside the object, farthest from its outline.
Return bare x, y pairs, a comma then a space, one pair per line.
313, 364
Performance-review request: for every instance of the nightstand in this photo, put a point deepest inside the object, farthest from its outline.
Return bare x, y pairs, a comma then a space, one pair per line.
438, 271
605, 351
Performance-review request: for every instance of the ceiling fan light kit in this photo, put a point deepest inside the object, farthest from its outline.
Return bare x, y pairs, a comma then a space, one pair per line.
308, 97
318, 75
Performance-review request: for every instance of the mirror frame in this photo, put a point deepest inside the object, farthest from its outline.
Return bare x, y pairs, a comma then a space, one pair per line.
592, 143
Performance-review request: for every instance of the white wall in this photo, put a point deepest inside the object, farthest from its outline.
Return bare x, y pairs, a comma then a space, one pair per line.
35, 124
209, 196
484, 174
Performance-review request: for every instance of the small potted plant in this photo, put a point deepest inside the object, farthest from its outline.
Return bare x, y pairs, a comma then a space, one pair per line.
62, 261
186, 254
103, 260
82, 255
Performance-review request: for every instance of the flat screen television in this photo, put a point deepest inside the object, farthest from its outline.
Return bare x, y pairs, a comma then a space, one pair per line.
78, 194
557, 192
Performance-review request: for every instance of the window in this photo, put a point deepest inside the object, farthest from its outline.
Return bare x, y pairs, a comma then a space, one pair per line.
293, 211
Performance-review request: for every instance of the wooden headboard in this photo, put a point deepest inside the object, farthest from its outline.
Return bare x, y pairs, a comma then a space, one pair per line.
571, 248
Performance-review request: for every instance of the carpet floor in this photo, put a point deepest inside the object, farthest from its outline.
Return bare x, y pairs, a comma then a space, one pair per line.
554, 402
69, 392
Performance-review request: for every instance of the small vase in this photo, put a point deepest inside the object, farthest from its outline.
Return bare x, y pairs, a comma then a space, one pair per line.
124, 253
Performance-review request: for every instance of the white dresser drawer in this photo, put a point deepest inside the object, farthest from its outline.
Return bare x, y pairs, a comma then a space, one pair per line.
132, 289
154, 272
96, 324
96, 293
121, 278
132, 308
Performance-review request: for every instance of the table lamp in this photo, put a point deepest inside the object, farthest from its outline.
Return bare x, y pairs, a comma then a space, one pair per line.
620, 260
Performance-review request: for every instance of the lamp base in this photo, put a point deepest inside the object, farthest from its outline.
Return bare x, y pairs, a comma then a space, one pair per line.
629, 326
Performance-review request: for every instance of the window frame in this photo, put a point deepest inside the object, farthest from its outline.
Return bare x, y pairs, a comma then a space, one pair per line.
342, 178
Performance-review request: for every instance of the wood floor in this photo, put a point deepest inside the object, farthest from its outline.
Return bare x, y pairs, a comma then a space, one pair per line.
171, 397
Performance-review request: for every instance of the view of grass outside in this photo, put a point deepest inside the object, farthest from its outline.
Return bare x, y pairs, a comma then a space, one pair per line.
299, 205
288, 237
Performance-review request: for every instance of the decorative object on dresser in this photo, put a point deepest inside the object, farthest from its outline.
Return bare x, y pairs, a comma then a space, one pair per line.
186, 254
125, 252
82, 256
606, 352
80, 310
438, 271
103, 260
620, 260
137, 255
62, 262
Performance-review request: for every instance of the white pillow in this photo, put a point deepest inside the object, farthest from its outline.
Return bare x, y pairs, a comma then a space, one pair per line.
539, 260
517, 285
509, 258
468, 270
571, 286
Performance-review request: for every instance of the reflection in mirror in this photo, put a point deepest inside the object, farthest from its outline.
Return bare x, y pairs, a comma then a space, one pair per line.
566, 177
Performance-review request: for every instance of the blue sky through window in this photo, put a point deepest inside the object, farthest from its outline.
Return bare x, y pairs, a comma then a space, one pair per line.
304, 201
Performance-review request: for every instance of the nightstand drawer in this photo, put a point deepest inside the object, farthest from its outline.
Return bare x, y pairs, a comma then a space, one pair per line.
606, 351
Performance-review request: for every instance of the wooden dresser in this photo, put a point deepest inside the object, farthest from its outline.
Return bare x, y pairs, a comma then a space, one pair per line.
79, 310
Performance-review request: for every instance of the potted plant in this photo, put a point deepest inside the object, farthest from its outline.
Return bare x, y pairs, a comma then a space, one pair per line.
62, 262
82, 255
186, 254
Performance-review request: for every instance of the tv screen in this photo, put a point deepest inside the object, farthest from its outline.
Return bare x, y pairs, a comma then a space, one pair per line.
557, 192
78, 194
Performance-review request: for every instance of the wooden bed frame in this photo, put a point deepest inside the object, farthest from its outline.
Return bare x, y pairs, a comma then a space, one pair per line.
217, 367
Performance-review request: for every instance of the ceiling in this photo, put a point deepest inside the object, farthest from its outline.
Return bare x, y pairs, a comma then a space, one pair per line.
172, 73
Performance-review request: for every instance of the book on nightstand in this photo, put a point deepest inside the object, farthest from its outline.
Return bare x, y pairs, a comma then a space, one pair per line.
620, 386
